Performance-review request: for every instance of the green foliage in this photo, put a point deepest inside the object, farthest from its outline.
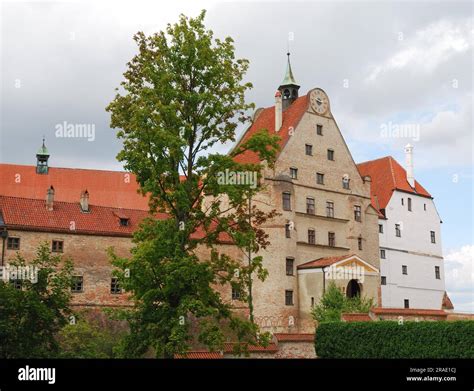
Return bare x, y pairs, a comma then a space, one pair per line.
388, 339
30, 317
182, 94
333, 303
85, 339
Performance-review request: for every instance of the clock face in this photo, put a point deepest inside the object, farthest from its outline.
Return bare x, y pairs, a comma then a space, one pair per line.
319, 101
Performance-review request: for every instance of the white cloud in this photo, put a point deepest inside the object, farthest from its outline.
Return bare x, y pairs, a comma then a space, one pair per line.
427, 48
459, 277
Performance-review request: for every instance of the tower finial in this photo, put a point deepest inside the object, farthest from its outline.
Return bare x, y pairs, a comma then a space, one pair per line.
288, 87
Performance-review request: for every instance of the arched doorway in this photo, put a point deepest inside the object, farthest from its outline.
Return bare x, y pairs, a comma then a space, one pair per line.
353, 289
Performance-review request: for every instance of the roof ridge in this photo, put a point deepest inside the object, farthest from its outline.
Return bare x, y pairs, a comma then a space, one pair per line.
374, 160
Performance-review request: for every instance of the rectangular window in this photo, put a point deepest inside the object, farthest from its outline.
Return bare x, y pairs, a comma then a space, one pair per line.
115, 288
309, 149
380, 229
310, 208
359, 243
287, 231
437, 273
405, 269
57, 246
357, 213
382, 254
319, 130
77, 284
290, 266
13, 243
331, 239
288, 297
311, 236
406, 303
433, 236
403, 202
286, 201
383, 280
330, 154
424, 207
320, 178
346, 183
398, 232
124, 222
409, 204
235, 294
329, 209
293, 173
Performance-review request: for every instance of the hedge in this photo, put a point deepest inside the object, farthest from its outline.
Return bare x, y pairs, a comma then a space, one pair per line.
388, 339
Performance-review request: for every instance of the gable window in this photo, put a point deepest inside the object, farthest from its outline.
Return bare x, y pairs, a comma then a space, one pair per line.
115, 288
357, 213
398, 232
319, 178
287, 231
405, 269
406, 303
409, 204
437, 273
383, 280
290, 266
329, 209
331, 239
433, 236
319, 130
286, 201
235, 294
330, 154
382, 254
310, 209
346, 183
380, 229
57, 246
311, 236
124, 221
77, 284
13, 243
293, 173
309, 149
288, 297
359, 243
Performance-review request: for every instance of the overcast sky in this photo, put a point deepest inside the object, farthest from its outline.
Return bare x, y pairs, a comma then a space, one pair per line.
382, 64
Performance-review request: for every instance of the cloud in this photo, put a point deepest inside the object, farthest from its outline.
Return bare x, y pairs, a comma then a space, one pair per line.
459, 277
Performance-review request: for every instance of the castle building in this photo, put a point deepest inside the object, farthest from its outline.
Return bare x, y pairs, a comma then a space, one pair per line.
411, 259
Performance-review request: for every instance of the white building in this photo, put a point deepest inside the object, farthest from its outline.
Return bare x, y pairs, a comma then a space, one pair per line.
411, 259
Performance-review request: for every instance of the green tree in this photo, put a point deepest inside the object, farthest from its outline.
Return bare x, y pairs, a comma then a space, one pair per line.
183, 93
31, 316
333, 303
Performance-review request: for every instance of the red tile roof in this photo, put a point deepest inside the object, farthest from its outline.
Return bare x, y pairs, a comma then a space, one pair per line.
106, 188
388, 175
286, 337
200, 354
322, 262
446, 303
408, 311
228, 349
266, 120
31, 214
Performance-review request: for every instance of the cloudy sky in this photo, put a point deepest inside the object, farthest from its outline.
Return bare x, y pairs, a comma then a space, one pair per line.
383, 64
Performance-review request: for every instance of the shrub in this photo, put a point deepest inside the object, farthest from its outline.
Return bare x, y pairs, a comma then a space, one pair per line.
388, 339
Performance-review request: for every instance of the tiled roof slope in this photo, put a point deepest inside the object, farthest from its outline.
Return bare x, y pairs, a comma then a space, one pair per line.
388, 175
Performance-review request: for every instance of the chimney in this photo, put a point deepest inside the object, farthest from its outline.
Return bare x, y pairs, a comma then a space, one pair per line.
50, 198
409, 165
278, 111
85, 201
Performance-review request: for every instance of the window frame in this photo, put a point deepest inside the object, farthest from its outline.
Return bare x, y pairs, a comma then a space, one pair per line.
288, 195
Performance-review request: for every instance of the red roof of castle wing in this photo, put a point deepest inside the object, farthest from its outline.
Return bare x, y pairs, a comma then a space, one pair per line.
322, 262
106, 188
67, 217
446, 303
388, 175
228, 348
289, 337
266, 120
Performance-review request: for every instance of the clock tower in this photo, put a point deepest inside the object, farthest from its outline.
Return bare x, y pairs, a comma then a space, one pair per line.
288, 88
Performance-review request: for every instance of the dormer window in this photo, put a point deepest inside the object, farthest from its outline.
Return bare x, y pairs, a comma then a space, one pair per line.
124, 222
